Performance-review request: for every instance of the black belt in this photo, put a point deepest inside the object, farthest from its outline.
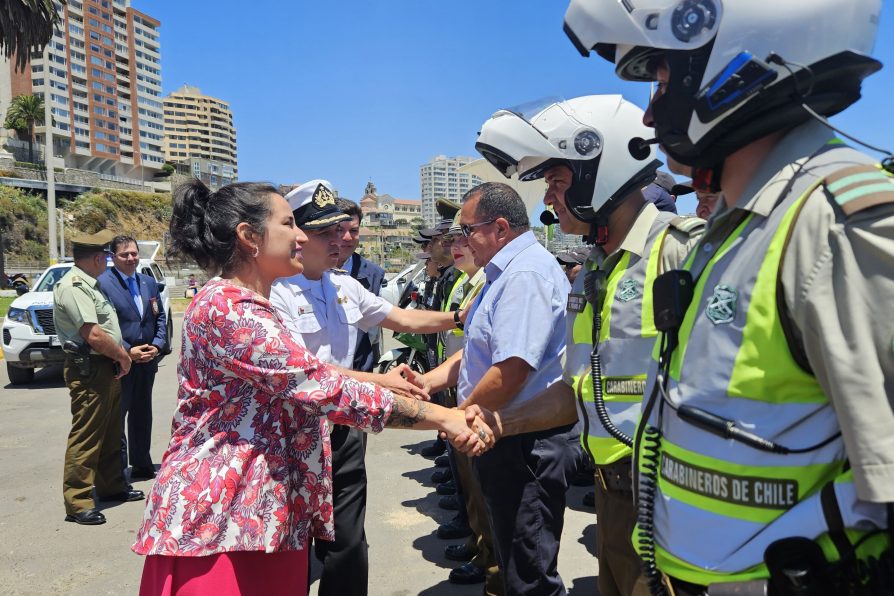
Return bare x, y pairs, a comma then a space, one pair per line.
617, 476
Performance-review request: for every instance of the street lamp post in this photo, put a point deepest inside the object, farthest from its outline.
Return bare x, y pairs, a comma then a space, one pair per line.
48, 155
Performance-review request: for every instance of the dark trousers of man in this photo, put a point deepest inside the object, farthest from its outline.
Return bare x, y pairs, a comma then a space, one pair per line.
93, 454
524, 479
620, 570
345, 561
136, 415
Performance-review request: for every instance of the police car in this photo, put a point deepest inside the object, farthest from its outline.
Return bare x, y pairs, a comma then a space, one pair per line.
29, 335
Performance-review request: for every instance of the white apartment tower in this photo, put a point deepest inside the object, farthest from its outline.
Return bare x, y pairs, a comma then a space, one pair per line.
440, 179
104, 70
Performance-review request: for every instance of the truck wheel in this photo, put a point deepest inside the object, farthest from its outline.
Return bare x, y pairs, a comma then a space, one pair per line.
18, 375
169, 347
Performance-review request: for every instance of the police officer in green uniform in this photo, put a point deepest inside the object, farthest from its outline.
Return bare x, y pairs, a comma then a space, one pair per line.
765, 452
87, 326
580, 147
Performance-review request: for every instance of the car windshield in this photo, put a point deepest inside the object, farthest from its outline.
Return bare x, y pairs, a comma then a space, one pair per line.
50, 278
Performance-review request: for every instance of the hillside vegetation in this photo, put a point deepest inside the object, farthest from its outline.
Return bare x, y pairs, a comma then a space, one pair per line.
23, 219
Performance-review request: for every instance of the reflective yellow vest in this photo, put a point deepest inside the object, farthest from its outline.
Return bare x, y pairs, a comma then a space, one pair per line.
720, 503
625, 344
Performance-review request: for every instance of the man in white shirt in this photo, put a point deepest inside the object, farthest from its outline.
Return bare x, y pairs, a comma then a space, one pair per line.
326, 309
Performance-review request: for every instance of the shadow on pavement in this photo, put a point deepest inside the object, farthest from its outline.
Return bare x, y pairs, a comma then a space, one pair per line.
422, 476
574, 499
446, 588
584, 586
432, 549
44, 378
415, 448
588, 539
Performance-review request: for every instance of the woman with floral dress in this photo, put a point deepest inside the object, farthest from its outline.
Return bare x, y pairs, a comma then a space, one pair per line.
246, 479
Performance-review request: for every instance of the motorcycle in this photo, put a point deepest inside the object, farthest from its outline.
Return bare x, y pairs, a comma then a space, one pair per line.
415, 350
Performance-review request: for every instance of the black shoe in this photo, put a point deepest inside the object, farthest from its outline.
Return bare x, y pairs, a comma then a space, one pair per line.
442, 475
142, 473
590, 499
126, 496
454, 529
91, 517
442, 461
467, 574
459, 552
446, 488
435, 449
450, 503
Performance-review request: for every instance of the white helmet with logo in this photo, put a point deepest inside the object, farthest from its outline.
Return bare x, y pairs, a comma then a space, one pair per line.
740, 69
591, 135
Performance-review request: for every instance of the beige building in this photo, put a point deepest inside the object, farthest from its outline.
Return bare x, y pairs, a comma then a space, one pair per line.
199, 132
387, 211
104, 72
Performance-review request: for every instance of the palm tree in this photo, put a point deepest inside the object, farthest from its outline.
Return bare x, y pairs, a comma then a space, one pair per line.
26, 26
24, 112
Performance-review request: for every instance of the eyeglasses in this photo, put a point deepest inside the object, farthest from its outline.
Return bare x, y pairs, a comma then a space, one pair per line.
446, 240
466, 229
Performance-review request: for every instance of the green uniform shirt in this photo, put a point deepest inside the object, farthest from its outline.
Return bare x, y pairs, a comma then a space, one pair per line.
78, 301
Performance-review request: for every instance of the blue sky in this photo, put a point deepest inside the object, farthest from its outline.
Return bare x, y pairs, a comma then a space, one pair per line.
356, 91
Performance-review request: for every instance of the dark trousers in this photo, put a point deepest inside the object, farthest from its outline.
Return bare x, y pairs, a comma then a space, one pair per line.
92, 456
524, 479
136, 415
345, 561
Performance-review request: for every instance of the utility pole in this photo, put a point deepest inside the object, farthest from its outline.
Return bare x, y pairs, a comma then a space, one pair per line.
48, 155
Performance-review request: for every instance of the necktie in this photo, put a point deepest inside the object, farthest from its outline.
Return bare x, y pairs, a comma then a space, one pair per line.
132, 285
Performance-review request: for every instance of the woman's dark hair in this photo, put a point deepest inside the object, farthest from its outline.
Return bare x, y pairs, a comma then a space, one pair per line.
203, 225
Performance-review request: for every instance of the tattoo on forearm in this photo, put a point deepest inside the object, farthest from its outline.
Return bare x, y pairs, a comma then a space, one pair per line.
407, 412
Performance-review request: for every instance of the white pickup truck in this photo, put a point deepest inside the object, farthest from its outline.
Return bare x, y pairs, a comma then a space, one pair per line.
29, 335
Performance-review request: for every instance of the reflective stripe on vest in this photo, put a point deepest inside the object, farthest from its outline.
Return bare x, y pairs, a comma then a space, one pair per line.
448, 302
721, 503
625, 343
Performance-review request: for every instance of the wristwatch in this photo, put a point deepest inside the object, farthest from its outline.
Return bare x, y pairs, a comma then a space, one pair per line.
456, 321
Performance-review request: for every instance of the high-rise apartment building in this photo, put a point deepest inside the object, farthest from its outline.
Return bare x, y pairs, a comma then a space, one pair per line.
439, 179
199, 130
104, 71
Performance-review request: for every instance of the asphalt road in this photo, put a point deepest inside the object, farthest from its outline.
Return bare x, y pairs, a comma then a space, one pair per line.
42, 554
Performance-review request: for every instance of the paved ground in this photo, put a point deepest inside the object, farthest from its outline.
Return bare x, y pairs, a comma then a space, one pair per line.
41, 554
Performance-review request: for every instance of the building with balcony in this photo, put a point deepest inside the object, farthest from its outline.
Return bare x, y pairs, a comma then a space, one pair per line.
104, 73
439, 179
199, 132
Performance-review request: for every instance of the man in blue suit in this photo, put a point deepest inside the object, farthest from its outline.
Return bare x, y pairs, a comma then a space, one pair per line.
143, 323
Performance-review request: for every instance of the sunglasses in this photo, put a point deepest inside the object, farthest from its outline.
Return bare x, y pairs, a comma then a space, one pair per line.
466, 229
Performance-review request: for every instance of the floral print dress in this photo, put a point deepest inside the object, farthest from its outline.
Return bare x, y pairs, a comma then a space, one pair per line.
248, 467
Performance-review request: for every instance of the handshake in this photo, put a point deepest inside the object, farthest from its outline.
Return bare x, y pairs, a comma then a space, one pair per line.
478, 430
472, 430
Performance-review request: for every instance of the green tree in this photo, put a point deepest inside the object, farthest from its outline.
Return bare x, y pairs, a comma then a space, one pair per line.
26, 26
25, 111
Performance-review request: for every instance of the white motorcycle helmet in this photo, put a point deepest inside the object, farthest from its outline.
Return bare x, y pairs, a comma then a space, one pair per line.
592, 135
740, 69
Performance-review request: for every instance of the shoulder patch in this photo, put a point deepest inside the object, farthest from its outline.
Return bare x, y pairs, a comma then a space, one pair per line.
859, 187
687, 225
76, 280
